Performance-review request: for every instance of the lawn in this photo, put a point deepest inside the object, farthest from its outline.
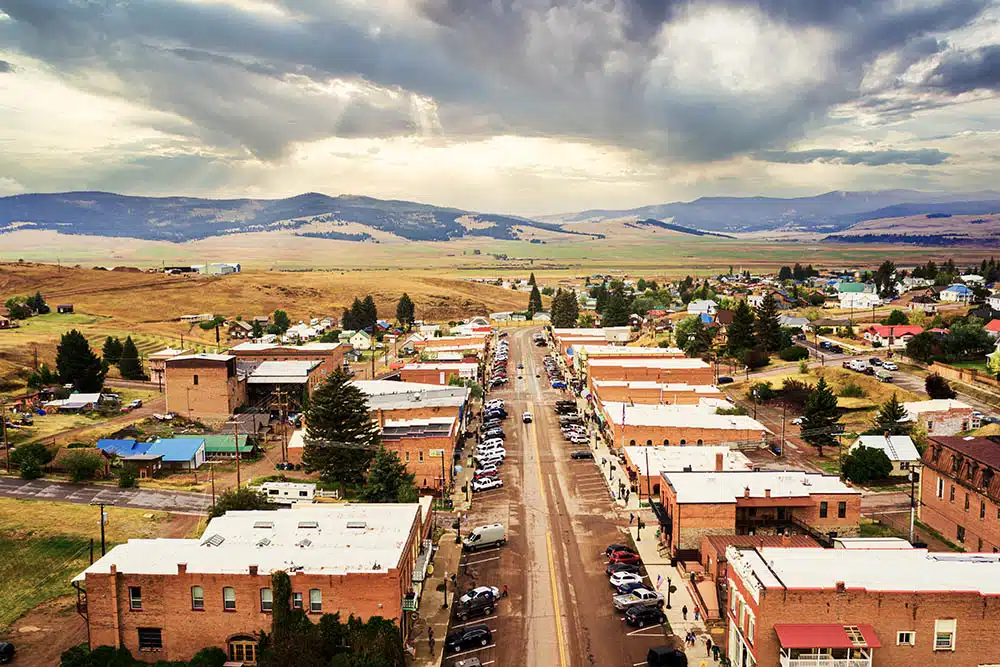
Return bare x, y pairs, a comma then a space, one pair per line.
45, 544
871, 528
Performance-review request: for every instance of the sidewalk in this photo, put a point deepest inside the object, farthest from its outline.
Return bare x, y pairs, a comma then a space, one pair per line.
431, 613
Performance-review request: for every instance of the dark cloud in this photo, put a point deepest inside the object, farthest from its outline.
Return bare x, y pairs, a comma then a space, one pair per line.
965, 71
923, 156
590, 70
6, 67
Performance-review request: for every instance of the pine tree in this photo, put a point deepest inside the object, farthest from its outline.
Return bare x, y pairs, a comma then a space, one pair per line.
112, 351
531, 279
347, 322
565, 309
616, 313
77, 364
370, 313
534, 300
357, 314
740, 333
341, 438
388, 481
257, 331
766, 327
405, 311
889, 418
820, 417
130, 366
785, 273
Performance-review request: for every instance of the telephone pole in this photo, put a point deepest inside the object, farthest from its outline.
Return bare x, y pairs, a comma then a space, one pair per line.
3, 427
236, 441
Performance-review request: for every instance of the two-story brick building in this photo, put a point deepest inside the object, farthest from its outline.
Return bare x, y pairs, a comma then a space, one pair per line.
166, 599
330, 355
861, 608
655, 369
762, 502
440, 372
941, 416
646, 465
653, 393
631, 425
960, 490
204, 387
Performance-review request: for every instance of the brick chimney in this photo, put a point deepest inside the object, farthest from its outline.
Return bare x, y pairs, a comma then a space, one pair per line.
720, 459
786, 540
113, 570
841, 587
767, 493
380, 417
253, 570
182, 568
746, 492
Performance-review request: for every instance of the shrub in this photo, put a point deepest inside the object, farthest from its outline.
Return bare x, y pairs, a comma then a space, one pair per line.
763, 391
127, 479
82, 464
803, 367
794, 353
795, 392
30, 458
937, 387
756, 358
852, 389
735, 410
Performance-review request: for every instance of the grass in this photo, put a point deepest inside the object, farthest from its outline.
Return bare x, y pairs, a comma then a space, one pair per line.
872, 528
45, 544
951, 545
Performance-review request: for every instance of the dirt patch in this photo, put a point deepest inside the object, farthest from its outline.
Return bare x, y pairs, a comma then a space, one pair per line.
46, 631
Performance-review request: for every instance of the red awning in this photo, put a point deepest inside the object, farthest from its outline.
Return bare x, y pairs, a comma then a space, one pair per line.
826, 635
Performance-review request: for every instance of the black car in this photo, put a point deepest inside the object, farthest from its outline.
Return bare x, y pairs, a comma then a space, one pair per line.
724, 379
664, 656
621, 567
581, 454
6, 652
473, 635
481, 605
618, 547
640, 616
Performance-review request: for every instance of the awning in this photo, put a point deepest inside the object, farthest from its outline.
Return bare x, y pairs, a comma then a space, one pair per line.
826, 635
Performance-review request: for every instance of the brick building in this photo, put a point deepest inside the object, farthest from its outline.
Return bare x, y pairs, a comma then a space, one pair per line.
426, 446
713, 550
652, 393
584, 351
440, 372
656, 369
156, 364
330, 355
204, 387
763, 502
631, 425
862, 608
166, 599
942, 416
645, 465
960, 491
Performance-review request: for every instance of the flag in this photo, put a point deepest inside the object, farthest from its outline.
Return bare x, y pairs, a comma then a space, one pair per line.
659, 580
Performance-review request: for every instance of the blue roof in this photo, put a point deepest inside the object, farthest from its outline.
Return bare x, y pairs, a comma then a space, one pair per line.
123, 447
960, 289
176, 449
706, 318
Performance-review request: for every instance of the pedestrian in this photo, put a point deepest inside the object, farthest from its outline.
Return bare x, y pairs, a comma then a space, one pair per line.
430, 637
628, 494
715, 652
504, 594
684, 612
708, 647
631, 518
697, 612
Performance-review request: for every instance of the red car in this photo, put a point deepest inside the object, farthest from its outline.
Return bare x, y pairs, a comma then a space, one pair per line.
624, 557
483, 475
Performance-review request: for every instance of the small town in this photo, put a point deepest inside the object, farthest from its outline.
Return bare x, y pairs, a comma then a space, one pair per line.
794, 468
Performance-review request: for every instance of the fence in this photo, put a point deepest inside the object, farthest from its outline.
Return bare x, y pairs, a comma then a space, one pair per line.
967, 375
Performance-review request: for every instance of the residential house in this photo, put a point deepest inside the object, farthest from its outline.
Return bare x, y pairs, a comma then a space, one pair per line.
960, 489
194, 319
993, 328
957, 294
942, 416
891, 335
793, 322
361, 340
857, 296
75, 402
64, 308
993, 300
240, 329
900, 450
861, 607
702, 307
133, 455
5, 322
924, 303
972, 279
180, 453
226, 446
761, 502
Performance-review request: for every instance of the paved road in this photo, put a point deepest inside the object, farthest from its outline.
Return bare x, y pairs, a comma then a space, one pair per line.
84, 494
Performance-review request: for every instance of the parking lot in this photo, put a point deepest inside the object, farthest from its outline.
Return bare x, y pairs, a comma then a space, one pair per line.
559, 518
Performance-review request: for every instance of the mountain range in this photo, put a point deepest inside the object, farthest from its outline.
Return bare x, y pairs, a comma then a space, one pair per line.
179, 219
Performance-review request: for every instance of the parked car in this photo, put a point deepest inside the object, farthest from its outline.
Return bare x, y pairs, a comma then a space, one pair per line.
484, 469
640, 616
629, 587
724, 379
624, 557
665, 656
641, 597
797, 421
485, 537
890, 366
490, 592
581, 454
875, 361
621, 567
619, 578
611, 548
467, 637
486, 484
137, 403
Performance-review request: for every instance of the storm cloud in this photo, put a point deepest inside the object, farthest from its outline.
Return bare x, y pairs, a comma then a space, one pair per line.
5, 67
965, 71
924, 156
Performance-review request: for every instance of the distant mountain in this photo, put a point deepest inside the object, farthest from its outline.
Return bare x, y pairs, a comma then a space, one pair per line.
180, 219
830, 212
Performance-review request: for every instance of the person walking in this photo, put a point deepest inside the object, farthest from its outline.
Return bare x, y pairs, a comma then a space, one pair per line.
684, 612
631, 518
697, 613
504, 594
708, 647
715, 652
430, 637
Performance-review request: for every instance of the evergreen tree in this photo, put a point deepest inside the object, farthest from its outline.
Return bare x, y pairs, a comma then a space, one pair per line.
531, 279
785, 273
370, 313
37, 304
357, 315
405, 311
347, 322
889, 418
740, 336
885, 280
112, 351
937, 387
820, 417
341, 438
257, 329
565, 309
77, 364
534, 300
767, 328
616, 313
388, 481
129, 365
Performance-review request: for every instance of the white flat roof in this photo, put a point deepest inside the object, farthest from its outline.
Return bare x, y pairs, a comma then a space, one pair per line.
652, 362
896, 447
592, 332
914, 408
666, 387
691, 416
871, 543
898, 570
203, 355
312, 347
666, 458
728, 486
441, 365
324, 539
621, 350
430, 421
290, 368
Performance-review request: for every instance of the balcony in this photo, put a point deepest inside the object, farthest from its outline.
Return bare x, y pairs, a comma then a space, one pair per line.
824, 661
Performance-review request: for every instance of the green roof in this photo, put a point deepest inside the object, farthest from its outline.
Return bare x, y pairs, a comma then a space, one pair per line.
215, 444
851, 288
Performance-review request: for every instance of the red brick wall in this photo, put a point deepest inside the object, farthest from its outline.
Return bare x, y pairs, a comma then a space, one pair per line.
651, 396
946, 516
329, 360
690, 434
427, 375
415, 453
213, 399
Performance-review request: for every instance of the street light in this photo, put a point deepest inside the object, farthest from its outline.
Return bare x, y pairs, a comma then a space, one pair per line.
669, 586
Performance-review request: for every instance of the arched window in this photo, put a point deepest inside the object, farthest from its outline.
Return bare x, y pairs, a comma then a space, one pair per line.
631, 443
666, 441
243, 649
700, 441
649, 443
683, 441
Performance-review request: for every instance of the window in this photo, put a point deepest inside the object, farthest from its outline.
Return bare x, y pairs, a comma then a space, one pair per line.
150, 639
666, 441
266, 601
134, 598
823, 509
243, 649
303, 494
750, 630
683, 441
197, 598
315, 601
842, 510
421, 455
966, 502
982, 510
904, 638
649, 443
196, 380
904, 465
940, 488
944, 635
407, 457
229, 598
631, 443
951, 494
960, 533
296, 600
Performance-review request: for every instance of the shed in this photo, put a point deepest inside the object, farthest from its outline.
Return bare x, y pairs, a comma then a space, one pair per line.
64, 308
224, 446
180, 453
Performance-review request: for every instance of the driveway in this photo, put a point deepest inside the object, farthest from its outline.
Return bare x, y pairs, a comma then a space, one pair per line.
84, 494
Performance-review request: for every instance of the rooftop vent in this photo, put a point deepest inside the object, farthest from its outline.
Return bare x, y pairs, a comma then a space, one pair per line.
357, 524
263, 524
308, 524
213, 541
264, 542
304, 543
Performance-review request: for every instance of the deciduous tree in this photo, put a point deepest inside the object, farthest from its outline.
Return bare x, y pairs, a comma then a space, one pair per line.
243, 498
937, 387
866, 464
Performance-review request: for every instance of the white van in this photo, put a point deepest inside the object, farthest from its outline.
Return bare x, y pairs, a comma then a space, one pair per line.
484, 537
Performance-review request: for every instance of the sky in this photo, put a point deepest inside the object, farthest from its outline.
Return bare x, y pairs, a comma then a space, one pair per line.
504, 106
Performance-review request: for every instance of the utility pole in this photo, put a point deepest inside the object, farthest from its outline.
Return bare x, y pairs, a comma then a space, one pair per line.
3, 427
781, 453
101, 505
913, 504
236, 444
213, 482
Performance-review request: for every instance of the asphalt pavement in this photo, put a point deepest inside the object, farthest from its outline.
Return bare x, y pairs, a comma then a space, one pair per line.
85, 494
